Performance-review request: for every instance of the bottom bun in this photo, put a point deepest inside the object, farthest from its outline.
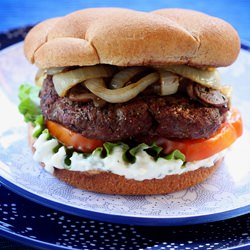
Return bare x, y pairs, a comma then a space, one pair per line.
109, 183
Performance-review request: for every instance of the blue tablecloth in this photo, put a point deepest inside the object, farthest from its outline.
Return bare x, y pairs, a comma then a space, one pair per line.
22, 13
16, 13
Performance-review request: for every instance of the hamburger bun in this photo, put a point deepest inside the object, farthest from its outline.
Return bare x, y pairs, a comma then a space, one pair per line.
175, 97
167, 36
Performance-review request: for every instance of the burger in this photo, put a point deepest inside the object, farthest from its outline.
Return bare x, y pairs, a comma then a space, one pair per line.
129, 102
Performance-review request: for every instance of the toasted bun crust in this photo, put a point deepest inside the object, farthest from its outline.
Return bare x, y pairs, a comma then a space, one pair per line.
126, 37
109, 183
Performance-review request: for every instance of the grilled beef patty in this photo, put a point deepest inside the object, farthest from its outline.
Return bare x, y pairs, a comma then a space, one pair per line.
175, 116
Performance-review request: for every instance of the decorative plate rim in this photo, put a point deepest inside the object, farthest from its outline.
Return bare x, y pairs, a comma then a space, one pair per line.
133, 220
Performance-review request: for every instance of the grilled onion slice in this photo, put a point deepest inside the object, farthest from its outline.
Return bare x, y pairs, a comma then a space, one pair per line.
66, 80
169, 83
39, 78
123, 76
97, 87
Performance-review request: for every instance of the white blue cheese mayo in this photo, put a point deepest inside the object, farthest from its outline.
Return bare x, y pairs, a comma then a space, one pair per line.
145, 166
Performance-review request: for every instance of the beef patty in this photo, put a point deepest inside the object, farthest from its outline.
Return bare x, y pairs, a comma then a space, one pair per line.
175, 116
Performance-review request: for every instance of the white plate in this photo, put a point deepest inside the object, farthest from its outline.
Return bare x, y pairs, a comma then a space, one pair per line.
226, 194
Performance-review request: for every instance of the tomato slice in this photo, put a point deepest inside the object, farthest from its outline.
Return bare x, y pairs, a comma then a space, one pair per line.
194, 150
199, 149
72, 139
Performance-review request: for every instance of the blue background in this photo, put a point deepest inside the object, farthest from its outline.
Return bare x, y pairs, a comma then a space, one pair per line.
16, 13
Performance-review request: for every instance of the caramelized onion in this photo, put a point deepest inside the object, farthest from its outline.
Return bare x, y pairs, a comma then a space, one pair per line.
169, 83
39, 78
66, 80
97, 86
123, 76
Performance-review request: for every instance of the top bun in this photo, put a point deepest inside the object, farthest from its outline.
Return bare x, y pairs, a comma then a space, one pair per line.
126, 37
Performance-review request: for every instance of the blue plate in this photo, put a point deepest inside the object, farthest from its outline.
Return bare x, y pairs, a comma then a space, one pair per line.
225, 195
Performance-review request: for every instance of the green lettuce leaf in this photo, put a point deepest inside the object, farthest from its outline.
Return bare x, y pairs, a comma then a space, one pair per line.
175, 155
38, 126
129, 154
29, 102
108, 148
